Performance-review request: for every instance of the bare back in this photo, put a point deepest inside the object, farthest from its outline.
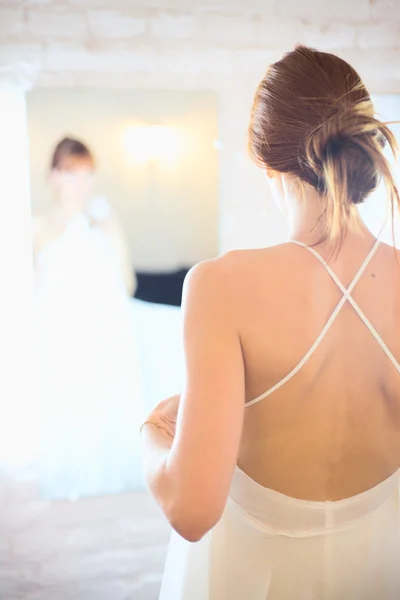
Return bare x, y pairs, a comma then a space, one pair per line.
333, 429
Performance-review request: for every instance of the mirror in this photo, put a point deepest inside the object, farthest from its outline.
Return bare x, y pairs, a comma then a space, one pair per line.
122, 210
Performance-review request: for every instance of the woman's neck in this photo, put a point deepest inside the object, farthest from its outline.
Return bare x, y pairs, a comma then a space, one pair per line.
306, 221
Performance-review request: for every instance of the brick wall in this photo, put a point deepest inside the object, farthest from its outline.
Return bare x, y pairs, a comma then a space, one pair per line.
223, 45
212, 38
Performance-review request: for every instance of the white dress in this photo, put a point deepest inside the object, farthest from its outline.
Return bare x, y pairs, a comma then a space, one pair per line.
269, 546
89, 377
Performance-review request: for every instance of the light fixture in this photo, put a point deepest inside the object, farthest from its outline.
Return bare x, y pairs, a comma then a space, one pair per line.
152, 143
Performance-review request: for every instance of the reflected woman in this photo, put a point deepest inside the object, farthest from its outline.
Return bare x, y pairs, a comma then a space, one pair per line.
71, 180
88, 370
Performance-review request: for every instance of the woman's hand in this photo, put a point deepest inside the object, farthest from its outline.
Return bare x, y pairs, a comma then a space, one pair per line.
164, 416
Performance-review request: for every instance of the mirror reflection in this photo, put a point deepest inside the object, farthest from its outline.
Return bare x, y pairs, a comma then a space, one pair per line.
125, 192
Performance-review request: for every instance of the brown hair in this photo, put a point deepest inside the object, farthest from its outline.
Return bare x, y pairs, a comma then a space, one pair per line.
314, 120
69, 148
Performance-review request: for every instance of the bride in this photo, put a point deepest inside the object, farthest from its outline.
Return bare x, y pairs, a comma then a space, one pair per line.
279, 465
88, 371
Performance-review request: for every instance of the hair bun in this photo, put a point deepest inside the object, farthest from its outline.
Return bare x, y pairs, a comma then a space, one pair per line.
351, 135
313, 121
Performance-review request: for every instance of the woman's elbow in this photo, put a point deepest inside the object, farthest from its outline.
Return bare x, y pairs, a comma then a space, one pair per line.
190, 531
190, 534
192, 524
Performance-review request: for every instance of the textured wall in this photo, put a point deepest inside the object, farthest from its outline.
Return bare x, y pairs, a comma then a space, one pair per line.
211, 44
222, 45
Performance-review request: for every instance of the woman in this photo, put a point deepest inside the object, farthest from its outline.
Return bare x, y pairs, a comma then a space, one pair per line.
71, 181
88, 369
283, 465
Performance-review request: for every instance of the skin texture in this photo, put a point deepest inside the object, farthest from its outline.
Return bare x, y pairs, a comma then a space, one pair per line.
250, 316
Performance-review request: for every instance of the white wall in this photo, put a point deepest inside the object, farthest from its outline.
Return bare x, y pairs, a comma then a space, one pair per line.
16, 345
221, 45
169, 211
375, 210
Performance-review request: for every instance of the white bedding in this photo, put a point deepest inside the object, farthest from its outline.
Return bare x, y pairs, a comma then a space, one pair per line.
158, 329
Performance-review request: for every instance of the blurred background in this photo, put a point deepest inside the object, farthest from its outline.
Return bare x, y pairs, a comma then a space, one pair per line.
151, 101
157, 164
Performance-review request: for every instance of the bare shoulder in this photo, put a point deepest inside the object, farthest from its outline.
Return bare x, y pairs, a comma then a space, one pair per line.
390, 250
240, 262
234, 266
203, 274
389, 262
242, 258
211, 271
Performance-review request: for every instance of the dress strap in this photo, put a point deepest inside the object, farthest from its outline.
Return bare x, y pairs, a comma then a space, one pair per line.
345, 298
347, 294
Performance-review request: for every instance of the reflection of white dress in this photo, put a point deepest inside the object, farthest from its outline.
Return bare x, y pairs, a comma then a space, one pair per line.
89, 378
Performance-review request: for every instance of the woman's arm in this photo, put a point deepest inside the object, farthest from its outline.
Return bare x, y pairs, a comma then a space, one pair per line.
190, 472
